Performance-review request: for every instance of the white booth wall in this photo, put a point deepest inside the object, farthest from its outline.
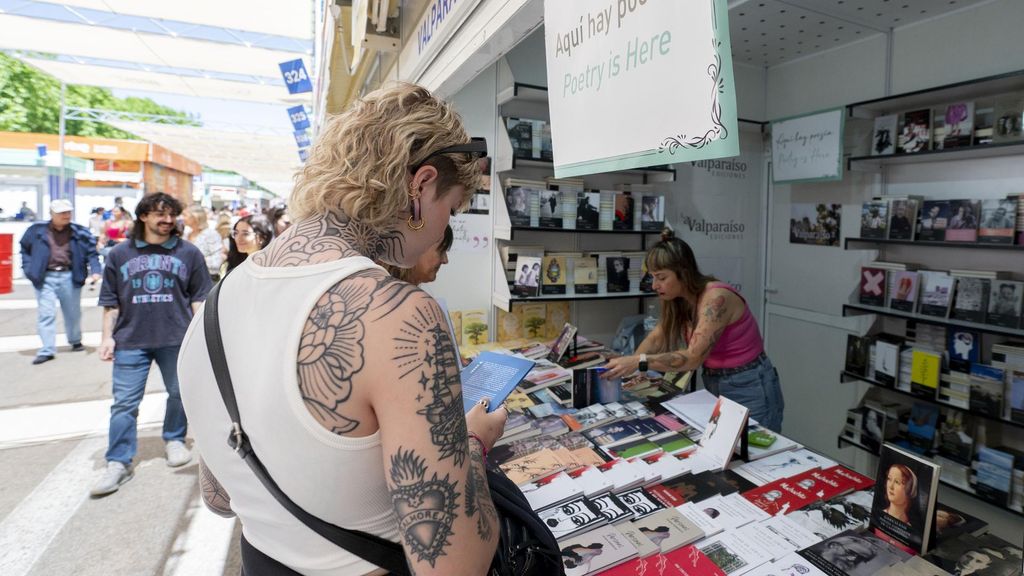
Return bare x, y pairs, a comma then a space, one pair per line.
805, 332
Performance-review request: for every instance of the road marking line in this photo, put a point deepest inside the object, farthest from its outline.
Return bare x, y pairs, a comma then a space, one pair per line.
202, 549
27, 531
30, 304
32, 342
34, 424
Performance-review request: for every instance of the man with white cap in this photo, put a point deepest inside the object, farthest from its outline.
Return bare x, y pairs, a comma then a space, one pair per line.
58, 257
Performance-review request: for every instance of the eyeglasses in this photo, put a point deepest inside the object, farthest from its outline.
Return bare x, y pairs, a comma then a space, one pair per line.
477, 148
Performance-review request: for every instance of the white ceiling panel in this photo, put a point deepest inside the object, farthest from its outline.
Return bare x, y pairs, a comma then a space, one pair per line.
278, 17
268, 160
72, 73
30, 34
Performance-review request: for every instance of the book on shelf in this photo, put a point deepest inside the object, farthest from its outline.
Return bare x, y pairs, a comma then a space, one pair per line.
623, 212
903, 217
964, 348
588, 210
987, 386
994, 475
876, 428
936, 293
595, 551
606, 219
1008, 354
971, 302
915, 131
1007, 118
551, 209
963, 221
562, 343
956, 438
905, 287
874, 219
955, 389
887, 360
652, 212
585, 274
924, 373
553, 274
1004, 303
518, 200
934, 218
998, 221
474, 327
528, 276
857, 354
884, 136
872, 286
618, 274
921, 428
1015, 387
958, 125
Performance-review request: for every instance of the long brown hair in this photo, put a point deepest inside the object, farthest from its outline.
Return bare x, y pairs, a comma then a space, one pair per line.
677, 315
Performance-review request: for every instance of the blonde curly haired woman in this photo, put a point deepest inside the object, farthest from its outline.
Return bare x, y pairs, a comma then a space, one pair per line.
355, 405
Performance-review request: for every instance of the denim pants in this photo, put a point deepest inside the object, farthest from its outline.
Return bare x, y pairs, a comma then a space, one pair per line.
757, 388
58, 286
131, 369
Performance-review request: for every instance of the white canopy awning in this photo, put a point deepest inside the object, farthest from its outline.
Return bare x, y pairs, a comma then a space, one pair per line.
267, 159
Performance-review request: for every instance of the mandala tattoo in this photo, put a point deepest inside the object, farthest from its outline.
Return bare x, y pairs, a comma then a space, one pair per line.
478, 501
214, 495
331, 352
425, 508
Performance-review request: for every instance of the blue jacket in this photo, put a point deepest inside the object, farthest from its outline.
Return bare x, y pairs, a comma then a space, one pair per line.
35, 254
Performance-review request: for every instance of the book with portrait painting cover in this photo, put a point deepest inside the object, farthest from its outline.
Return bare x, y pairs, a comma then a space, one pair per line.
906, 489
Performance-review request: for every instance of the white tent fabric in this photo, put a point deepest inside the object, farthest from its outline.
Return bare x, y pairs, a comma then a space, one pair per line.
270, 160
264, 16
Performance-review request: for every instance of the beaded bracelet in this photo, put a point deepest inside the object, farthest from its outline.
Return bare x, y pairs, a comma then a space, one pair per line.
483, 447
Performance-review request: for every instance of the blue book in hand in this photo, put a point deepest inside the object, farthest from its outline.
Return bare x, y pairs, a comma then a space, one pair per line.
492, 376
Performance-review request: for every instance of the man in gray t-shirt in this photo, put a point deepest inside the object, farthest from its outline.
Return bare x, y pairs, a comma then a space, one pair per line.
152, 286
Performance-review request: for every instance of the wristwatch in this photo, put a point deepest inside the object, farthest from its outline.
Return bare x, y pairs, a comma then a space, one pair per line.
643, 364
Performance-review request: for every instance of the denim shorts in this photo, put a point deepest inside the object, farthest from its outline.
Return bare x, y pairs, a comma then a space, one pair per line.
757, 388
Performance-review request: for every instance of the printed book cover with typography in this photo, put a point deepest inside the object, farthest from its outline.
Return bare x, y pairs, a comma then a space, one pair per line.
906, 491
872, 286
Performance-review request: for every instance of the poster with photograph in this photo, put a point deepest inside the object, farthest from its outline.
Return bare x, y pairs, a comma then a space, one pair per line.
906, 489
817, 224
550, 209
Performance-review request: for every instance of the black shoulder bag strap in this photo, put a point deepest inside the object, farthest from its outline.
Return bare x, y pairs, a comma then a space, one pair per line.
373, 549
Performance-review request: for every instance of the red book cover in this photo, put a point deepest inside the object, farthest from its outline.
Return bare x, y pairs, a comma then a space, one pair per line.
821, 483
686, 561
854, 480
782, 496
668, 496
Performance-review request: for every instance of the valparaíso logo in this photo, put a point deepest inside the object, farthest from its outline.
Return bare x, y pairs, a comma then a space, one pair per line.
723, 168
723, 230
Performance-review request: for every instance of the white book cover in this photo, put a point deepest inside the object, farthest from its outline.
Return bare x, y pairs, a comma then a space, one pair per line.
760, 535
694, 408
651, 476
667, 465
826, 519
708, 525
782, 466
792, 531
721, 433
791, 564
594, 551
730, 512
734, 555
781, 444
622, 474
572, 518
591, 480
669, 529
551, 490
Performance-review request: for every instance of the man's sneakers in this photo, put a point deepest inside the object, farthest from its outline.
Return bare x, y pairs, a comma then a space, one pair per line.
41, 359
177, 454
77, 347
115, 475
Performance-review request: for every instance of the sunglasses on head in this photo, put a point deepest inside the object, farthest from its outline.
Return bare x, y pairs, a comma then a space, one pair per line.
476, 147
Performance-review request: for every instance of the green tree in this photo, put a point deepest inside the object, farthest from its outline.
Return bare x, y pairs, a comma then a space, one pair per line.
534, 324
30, 102
475, 330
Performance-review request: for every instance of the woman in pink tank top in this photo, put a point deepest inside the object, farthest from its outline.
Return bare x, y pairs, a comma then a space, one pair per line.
705, 324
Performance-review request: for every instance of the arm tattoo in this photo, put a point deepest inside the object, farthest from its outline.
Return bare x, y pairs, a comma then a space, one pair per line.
478, 497
425, 347
331, 352
215, 496
425, 508
715, 310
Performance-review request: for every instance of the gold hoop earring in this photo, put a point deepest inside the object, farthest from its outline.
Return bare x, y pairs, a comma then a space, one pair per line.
411, 226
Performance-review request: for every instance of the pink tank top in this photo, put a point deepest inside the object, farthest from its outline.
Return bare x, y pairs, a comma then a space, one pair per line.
741, 341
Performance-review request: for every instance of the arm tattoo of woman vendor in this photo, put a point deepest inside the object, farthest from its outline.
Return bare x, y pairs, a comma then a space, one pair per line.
425, 507
478, 501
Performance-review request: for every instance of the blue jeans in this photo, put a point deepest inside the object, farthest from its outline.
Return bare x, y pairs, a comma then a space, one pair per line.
58, 286
757, 388
131, 369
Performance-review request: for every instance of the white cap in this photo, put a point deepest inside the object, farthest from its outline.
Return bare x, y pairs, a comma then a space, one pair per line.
60, 205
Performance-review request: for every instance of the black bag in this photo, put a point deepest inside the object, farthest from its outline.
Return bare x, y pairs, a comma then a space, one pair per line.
526, 546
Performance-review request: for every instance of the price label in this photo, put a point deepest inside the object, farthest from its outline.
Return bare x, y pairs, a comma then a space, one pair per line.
295, 76
298, 117
302, 139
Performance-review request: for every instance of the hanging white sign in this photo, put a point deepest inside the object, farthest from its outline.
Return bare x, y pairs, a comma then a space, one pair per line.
634, 83
808, 147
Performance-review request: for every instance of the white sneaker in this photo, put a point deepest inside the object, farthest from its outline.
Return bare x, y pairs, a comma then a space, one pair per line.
177, 454
115, 475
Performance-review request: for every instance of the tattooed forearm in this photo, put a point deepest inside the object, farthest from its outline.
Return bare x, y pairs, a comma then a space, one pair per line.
426, 509
215, 496
669, 362
478, 498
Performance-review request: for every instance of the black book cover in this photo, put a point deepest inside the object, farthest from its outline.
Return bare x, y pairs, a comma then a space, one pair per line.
971, 302
934, 218
517, 200
588, 213
550, 209
618, 274
623, 212
858, 350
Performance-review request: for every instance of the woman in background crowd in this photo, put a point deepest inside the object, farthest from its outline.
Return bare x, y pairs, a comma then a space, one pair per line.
427, 266
198, 232
117, 230
705, 324
249, 235
279, 219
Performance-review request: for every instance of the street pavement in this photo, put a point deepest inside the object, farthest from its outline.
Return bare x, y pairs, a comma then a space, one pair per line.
53, 426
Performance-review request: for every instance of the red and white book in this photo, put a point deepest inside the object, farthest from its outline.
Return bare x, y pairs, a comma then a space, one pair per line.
854, 480
781, 497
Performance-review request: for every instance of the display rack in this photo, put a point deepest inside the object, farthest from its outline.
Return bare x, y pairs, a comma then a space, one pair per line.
843, 441
875, 163
854, 309
851, 377
930, 244
581, 297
